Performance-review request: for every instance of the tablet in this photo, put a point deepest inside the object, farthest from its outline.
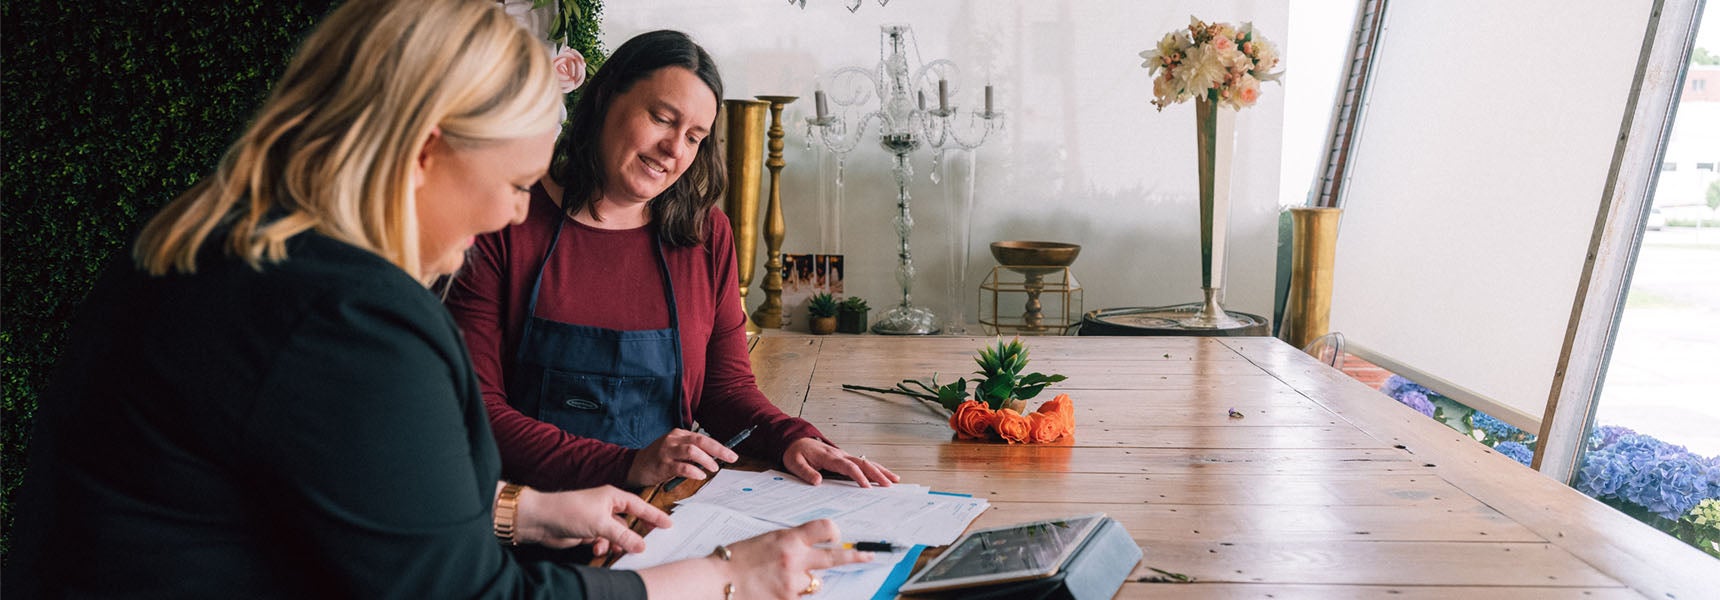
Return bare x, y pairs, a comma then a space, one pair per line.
1004, 554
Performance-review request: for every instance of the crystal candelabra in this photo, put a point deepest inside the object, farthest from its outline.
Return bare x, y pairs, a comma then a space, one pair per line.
905, 122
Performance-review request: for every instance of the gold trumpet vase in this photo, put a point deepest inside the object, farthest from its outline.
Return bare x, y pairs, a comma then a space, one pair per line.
744, 158
1313, 248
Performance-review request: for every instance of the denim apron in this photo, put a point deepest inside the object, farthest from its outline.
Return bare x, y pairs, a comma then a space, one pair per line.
621, 387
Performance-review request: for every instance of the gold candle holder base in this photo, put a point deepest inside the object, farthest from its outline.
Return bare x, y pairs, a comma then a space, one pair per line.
769, 314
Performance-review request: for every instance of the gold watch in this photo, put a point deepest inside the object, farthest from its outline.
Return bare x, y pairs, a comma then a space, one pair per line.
507, 507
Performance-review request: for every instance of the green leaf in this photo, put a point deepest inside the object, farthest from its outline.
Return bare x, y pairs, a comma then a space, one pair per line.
996, 390
953, 394
1040, 379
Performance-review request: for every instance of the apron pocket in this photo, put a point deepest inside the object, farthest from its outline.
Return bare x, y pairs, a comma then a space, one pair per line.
625, 411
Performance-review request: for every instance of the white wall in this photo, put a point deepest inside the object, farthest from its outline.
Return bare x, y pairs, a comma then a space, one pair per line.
1084, 159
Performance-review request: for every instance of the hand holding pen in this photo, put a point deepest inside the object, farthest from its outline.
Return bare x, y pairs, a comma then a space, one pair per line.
680, 453
729, 445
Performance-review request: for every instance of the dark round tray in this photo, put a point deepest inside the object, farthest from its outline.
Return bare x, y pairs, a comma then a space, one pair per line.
1163, 320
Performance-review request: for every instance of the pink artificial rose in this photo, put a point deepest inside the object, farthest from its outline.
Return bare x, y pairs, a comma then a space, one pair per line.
569, 69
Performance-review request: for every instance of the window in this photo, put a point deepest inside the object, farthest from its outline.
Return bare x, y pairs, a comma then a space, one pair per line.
1668, 167
1697, 85
1709, 167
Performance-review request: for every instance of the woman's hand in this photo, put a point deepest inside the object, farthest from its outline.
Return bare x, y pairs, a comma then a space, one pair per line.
776, 565
678, 453
807, 456
596, 516
779, 564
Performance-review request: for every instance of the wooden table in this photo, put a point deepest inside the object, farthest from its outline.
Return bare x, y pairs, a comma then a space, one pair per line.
1324, 489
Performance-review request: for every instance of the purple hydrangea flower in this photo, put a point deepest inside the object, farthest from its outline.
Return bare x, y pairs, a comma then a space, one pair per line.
1515, 451
1605, 435
1398, 383
1416, 400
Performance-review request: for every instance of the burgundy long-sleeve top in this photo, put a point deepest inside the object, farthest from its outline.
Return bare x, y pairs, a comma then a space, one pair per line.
611, 279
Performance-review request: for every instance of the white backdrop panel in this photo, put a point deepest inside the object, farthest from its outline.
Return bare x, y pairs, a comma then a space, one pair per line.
1084, 158
1478, 174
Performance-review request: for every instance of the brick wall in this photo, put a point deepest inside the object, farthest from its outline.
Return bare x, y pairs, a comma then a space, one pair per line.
1365, 371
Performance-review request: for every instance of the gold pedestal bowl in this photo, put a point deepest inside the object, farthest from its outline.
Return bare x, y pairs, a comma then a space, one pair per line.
1034, 260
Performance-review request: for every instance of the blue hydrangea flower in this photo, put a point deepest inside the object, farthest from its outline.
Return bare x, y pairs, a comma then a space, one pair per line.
1663, 478
1515, 451
1500, 430
1605, 435
1416, 400
1602, 475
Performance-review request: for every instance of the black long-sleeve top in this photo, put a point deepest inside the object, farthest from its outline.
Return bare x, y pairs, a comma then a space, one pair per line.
310, 430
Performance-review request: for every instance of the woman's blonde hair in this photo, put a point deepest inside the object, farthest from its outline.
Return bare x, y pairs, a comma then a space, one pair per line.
334, 145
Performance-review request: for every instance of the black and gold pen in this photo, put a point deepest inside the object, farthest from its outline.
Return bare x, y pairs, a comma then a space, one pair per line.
861, 546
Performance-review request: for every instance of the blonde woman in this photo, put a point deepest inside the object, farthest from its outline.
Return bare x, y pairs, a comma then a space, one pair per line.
265, 401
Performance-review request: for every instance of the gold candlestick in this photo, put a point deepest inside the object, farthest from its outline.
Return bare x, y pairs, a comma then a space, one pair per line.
769, 314
744, 156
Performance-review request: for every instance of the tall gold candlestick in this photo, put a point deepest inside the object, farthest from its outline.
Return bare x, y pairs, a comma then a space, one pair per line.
744, 156
769, 314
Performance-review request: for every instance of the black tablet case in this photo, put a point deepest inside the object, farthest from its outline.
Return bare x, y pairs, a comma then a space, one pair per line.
1095, 572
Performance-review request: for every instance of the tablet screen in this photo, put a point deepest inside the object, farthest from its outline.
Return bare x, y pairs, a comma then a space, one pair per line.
1003, 554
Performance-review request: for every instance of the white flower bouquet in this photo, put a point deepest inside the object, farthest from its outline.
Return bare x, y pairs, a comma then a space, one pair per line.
1217, 62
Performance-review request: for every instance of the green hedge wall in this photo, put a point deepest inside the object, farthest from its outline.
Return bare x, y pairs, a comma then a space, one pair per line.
111, 110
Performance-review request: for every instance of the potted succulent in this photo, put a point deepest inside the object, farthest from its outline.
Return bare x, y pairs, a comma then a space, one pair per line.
851, 316
823, 310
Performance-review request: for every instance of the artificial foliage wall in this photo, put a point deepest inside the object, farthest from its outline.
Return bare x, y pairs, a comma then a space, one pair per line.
110, 110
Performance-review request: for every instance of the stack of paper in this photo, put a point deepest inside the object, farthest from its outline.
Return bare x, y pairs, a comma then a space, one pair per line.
736, 505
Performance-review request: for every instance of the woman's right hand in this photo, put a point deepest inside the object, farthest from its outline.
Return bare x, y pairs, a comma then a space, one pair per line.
678, 453
775, 565
779, 564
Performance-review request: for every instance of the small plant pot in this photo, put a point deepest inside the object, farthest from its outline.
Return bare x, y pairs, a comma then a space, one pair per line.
823, 325
851, 321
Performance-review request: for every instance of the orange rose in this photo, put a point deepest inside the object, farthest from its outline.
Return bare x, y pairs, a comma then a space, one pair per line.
1044, 428
973, 420
1064, 409
1013, 427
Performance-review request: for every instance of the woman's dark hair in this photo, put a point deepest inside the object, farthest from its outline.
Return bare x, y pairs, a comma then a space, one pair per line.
578, 167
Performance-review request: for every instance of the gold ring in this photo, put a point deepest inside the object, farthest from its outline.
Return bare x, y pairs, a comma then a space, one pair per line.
813, 586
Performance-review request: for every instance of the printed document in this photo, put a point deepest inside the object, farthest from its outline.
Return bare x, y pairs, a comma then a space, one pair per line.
700, 528
899, 514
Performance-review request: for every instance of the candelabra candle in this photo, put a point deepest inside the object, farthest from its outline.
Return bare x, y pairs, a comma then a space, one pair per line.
903, 126
823, 109
988, 98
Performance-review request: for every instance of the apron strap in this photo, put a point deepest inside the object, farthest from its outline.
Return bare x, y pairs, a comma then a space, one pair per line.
531, 306
682, 412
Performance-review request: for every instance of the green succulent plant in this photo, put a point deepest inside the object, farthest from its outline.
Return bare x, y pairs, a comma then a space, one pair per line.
855, 304
822, 305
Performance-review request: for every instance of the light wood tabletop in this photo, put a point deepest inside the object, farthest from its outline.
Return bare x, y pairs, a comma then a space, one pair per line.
1324, 488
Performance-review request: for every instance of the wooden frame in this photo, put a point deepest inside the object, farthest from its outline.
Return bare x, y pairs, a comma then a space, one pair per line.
1617, 236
